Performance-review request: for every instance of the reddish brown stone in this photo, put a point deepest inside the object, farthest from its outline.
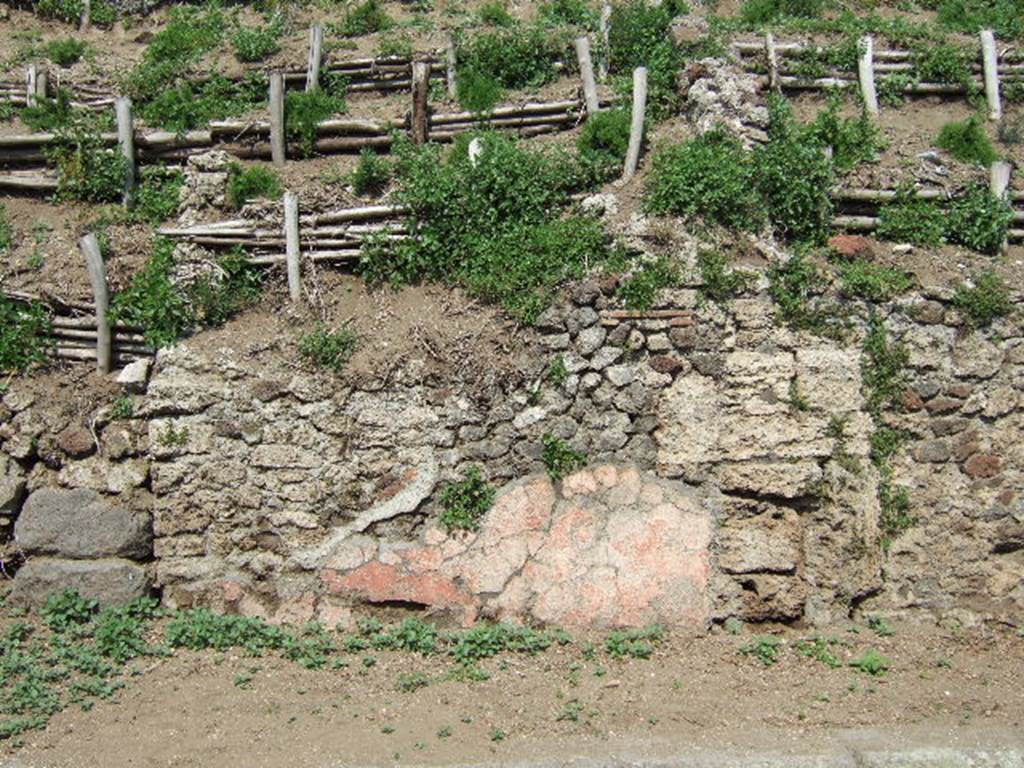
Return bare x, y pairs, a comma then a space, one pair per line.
1006, 497
961, 391
911, 401
76, 442
943, 405
851, 246
983, 465
669, 364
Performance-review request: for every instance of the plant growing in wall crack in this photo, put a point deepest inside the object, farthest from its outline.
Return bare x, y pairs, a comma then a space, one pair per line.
464, 503
559, 458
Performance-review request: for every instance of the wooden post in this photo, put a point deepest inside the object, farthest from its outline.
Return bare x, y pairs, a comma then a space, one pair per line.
42, 85
999, 184
636, 129
476, 148
420, 91
990, 63
291, 245
606, 24
90, 248
450, 67
316, 44
277, 147
31, 76
773, 61
126, 141
587, 74
85, 19
866, 75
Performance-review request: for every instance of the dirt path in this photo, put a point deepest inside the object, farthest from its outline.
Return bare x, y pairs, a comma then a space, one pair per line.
694, 696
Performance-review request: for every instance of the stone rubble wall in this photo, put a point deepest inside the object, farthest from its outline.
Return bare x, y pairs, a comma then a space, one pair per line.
297, 494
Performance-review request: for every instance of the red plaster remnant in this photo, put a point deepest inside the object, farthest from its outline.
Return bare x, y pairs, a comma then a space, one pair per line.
609, 547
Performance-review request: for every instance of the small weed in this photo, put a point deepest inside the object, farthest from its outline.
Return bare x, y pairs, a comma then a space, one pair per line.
371, 175
819, 649
159, 191
557, 372
570, 712
603, 141
248, 184
328, 349
884, 368
171, 437
765, 11
911, 219
719, 281
364, 19
880, 626
412, 682
257, 43
6, 231
498, 735
634, 643
872, 663
979, 220
863, 279
986, 300
65, 52
967, 142
444, 732
387, 729
464, 503
305, 110
23, 329
639, 291
559, 458
766, 648
89, 171
797, 399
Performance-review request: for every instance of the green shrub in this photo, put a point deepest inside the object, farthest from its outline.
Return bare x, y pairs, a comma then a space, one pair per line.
872, 663
190, 33
559, 458
639, 290
634, 643
911, 219
795, 287
495, 14
6, 231
767, 11
576, 13
884, 368
166, 309
328, 349
518, 56
863, 279
101, 13
793, 178
65, 52
89, 171
852, 140
365, 19
67, 610
979, 220
985, 301
478, 91
967, 142
493, 228
972, 16
464, 503
304, 111
372, 174
187, 106
154, 302
638, 36
52, 114
256, 43
709, 176
252, 183
603, 141
201, 628
720, 281
159, 191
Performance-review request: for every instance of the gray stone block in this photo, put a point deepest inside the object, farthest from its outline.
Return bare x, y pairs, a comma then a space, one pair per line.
110, 581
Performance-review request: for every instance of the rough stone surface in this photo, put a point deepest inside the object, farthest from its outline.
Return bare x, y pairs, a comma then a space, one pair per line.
111, 581
611, 547
81, 524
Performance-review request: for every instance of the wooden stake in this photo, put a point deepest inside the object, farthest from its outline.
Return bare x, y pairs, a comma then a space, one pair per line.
31, 78
420, 92
85, 19
90, 248
277, 146
316, 43
999, 183
636, 130
587, 74
291, 237
990, 64
451, 61
773, 61
866, 75
606, 24
126, 141
476, 148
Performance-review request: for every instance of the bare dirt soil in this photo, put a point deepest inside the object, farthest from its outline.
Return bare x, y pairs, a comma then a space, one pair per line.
205, 709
